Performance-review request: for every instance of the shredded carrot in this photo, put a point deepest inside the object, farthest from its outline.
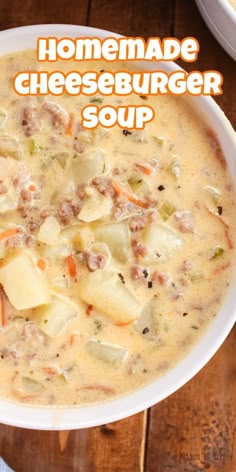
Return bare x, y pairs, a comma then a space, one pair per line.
220, 268
71, 264
8, 233
41, 263
228, 238
70, 127
101, 388
2, 310
147, 170
130, 196
89, 310
72, 337
32, 188
124, 324
51, 370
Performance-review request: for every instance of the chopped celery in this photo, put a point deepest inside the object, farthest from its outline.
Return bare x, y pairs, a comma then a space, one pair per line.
96, 100
32, 385
140, 136
9, 147
138, 186
174, 166
23, 386
197, 276
111, 353
62, 158
159, 139
216, 252
3, 118
166, 210
33, 146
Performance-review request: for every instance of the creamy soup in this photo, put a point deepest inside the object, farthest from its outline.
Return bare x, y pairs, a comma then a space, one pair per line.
116, 246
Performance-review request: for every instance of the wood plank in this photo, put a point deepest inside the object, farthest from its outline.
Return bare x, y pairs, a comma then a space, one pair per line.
133, 18
117, 447
13, 13
188, 22
194, 429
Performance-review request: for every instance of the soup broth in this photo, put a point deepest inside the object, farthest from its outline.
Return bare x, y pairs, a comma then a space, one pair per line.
116, 246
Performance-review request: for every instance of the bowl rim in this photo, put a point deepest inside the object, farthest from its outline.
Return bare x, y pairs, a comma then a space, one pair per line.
69, 418
221, 22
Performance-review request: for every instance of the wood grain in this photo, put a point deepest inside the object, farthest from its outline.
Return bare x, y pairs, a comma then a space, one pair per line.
133, 18
31, 12
194, 429
117, 447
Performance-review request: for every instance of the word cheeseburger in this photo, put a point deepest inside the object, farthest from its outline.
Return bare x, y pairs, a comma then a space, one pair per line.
121, 82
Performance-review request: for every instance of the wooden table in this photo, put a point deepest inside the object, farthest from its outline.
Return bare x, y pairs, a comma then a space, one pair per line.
194, 429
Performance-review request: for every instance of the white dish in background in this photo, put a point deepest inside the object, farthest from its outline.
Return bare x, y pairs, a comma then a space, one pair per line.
54, 418
220, 17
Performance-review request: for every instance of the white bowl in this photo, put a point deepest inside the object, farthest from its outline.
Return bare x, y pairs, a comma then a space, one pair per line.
54, 418
220, 17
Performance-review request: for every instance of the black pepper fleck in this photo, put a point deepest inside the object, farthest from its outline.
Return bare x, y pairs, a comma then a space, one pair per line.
126, 132
121, 278
185, 313
220, 210
161, 187
145, 273
149, 284
145, 330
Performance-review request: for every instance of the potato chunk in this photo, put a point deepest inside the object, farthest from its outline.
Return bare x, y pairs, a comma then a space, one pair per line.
116, 236
88, 165
105, 291
107, 352
53, 318
161, 240
49, 231
22, 281
9, 200
95, 207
